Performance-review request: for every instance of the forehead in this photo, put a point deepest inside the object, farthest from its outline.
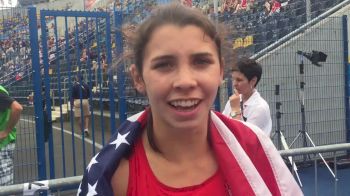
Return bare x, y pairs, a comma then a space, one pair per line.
237, 74
171, 38
166, 27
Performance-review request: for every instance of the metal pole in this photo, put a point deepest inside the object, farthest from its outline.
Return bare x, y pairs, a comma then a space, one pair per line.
316, 149
216, 2
55, 184
347, 75
39, 116
308, 10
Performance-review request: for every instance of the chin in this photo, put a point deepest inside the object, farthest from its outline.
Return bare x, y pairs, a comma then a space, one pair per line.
193, 123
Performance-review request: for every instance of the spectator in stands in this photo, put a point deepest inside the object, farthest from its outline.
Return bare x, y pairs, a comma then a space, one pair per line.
241, 5
187, 3
84, 56
272, 6
30, 98
12, 46
246, 104
230, 5
177, 145
80, 102
276, 7
10, 111
18, 76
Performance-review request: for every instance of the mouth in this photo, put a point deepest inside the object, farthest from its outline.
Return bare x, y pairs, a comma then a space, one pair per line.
185, 105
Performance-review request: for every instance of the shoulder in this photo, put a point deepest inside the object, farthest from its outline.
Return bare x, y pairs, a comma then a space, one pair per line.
258, 101
120, 178
3, 94
5, 99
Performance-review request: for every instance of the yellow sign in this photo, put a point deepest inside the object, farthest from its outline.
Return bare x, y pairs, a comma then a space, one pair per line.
243, 42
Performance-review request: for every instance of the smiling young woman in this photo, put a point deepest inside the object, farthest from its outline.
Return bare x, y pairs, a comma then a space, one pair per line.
178, 145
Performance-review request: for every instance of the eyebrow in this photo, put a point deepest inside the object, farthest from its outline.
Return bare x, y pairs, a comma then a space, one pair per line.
169, 57
203, 54
162, 57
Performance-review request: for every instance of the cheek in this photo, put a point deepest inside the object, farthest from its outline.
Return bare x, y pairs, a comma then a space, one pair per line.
236, 83
212, 85
154, 87
244, 85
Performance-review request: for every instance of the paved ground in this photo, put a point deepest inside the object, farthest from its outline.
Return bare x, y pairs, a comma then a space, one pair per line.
325, 181
69, 153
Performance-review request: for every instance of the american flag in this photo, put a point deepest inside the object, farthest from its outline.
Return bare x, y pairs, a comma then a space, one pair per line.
251, 163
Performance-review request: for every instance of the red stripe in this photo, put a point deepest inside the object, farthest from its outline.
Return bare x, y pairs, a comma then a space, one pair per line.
253, 148
143, 118
229, 166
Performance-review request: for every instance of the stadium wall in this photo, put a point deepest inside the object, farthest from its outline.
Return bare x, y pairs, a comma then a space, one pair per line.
324, 86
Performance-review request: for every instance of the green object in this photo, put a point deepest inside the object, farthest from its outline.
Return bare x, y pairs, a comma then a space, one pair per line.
4, 118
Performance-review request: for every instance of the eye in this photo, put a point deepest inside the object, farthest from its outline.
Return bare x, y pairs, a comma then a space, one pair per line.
202, 61
163, 66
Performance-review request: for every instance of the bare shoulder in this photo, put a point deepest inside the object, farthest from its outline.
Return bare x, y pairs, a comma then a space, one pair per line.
120, 178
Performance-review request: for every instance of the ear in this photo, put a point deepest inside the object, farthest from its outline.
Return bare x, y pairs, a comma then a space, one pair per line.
137, 79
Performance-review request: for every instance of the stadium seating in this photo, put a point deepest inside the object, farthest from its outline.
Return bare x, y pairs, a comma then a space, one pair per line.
268, 28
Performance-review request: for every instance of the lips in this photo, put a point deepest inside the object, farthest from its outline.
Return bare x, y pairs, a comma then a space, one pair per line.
184, 104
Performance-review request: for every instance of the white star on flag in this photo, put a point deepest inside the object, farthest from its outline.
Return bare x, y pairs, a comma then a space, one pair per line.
92, 190
121, 139
93, 161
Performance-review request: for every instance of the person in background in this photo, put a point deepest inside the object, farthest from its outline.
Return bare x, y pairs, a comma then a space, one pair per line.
30, 98
246, 104
178, 145
10, 111
80, 101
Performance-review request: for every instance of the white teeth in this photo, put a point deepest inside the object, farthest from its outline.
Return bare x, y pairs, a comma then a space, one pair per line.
184, 103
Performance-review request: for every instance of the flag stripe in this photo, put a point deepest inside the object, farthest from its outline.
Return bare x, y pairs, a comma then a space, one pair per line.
230, 167
247, 167
284, 179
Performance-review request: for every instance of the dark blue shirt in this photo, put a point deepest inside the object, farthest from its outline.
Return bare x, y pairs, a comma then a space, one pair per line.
85, 91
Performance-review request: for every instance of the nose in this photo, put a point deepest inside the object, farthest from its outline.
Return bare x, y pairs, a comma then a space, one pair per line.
185, 78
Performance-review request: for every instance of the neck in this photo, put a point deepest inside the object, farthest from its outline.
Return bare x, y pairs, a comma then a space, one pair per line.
179, 145
246, 96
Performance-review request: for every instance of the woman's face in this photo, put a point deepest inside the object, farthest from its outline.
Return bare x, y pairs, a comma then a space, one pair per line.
181, 76
242, 84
